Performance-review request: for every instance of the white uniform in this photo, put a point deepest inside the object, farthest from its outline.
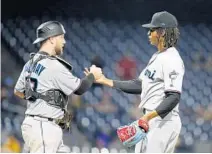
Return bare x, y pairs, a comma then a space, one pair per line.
40, 134
164, 72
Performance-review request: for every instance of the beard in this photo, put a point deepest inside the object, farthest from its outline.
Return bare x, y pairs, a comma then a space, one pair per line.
59, 52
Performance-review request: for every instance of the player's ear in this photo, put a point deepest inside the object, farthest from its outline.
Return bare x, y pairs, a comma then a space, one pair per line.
52, 40
162, 32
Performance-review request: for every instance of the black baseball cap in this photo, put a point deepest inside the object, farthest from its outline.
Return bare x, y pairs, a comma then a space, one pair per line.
162, 19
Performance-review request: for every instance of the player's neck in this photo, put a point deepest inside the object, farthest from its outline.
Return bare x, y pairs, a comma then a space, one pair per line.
48, 49
161, 47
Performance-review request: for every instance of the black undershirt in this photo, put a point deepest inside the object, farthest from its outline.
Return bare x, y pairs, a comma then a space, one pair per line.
134, 87
86, 83
130, 86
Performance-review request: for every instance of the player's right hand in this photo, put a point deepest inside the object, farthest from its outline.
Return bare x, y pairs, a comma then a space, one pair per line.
96, 71
143, 124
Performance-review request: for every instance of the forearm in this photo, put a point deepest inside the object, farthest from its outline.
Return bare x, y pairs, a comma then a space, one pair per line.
131, 86
86, 83
19, 94
107, 82
168, 104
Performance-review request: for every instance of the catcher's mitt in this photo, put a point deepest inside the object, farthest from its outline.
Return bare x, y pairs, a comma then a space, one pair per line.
65, 122
131, 134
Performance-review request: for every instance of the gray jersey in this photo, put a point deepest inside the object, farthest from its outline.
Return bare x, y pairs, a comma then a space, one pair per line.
164, 72
48, 74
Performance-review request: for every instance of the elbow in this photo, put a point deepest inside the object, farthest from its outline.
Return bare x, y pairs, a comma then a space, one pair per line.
15, 92
19, 94
78, 92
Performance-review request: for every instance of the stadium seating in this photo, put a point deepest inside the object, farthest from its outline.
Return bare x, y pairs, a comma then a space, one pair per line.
110, 40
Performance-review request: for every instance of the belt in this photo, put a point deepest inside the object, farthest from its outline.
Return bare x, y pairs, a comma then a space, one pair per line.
49, 119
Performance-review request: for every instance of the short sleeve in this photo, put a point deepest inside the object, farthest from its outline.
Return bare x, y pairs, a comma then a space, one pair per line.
20, 84
173, 73
141, 75
66, 81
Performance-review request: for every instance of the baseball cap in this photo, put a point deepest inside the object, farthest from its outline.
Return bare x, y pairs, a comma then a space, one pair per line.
162, 19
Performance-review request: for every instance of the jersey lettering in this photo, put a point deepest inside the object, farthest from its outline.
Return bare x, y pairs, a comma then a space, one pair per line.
150, 74
38, 69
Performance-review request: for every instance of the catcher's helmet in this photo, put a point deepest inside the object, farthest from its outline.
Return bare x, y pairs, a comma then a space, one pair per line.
162, 19
48, 29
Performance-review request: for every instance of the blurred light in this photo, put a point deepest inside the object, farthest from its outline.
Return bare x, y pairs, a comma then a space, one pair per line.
85, 149
115, 123
21, 52
189, 140
206, 127
197, 131
100, 122
26, 56
8, 125
204, 137
200, 121
113, 150
75, 149
89, 111
94, 150
186, 120
190, 101
196, 106
191, 126
104, 150
183, 130
123, 151
92, 128
85, 122
207, 91
9, 81
12, 42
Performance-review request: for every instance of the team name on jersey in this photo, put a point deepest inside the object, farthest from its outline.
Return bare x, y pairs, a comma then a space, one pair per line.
38, 69
150, 74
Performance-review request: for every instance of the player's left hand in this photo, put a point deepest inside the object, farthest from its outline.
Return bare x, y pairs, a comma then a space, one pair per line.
131, 134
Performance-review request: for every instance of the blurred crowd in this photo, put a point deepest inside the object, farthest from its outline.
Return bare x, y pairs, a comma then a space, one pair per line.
126, 69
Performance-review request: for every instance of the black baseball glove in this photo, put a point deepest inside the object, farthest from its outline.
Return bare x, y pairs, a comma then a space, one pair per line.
65, 122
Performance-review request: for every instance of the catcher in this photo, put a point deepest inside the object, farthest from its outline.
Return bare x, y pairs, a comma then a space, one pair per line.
46, 82
160, 86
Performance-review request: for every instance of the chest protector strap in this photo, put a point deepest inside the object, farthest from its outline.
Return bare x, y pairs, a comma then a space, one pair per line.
53, 97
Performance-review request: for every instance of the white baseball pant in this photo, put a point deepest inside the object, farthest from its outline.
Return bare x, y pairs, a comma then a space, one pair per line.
162, 136
43, 136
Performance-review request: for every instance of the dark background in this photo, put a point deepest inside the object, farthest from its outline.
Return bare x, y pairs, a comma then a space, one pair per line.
185, 10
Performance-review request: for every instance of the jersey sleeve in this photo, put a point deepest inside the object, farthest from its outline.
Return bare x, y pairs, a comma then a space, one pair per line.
140, 77
66, 81
20, 84
173, 73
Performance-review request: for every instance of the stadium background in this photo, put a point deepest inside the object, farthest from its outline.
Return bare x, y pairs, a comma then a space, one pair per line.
108, 33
